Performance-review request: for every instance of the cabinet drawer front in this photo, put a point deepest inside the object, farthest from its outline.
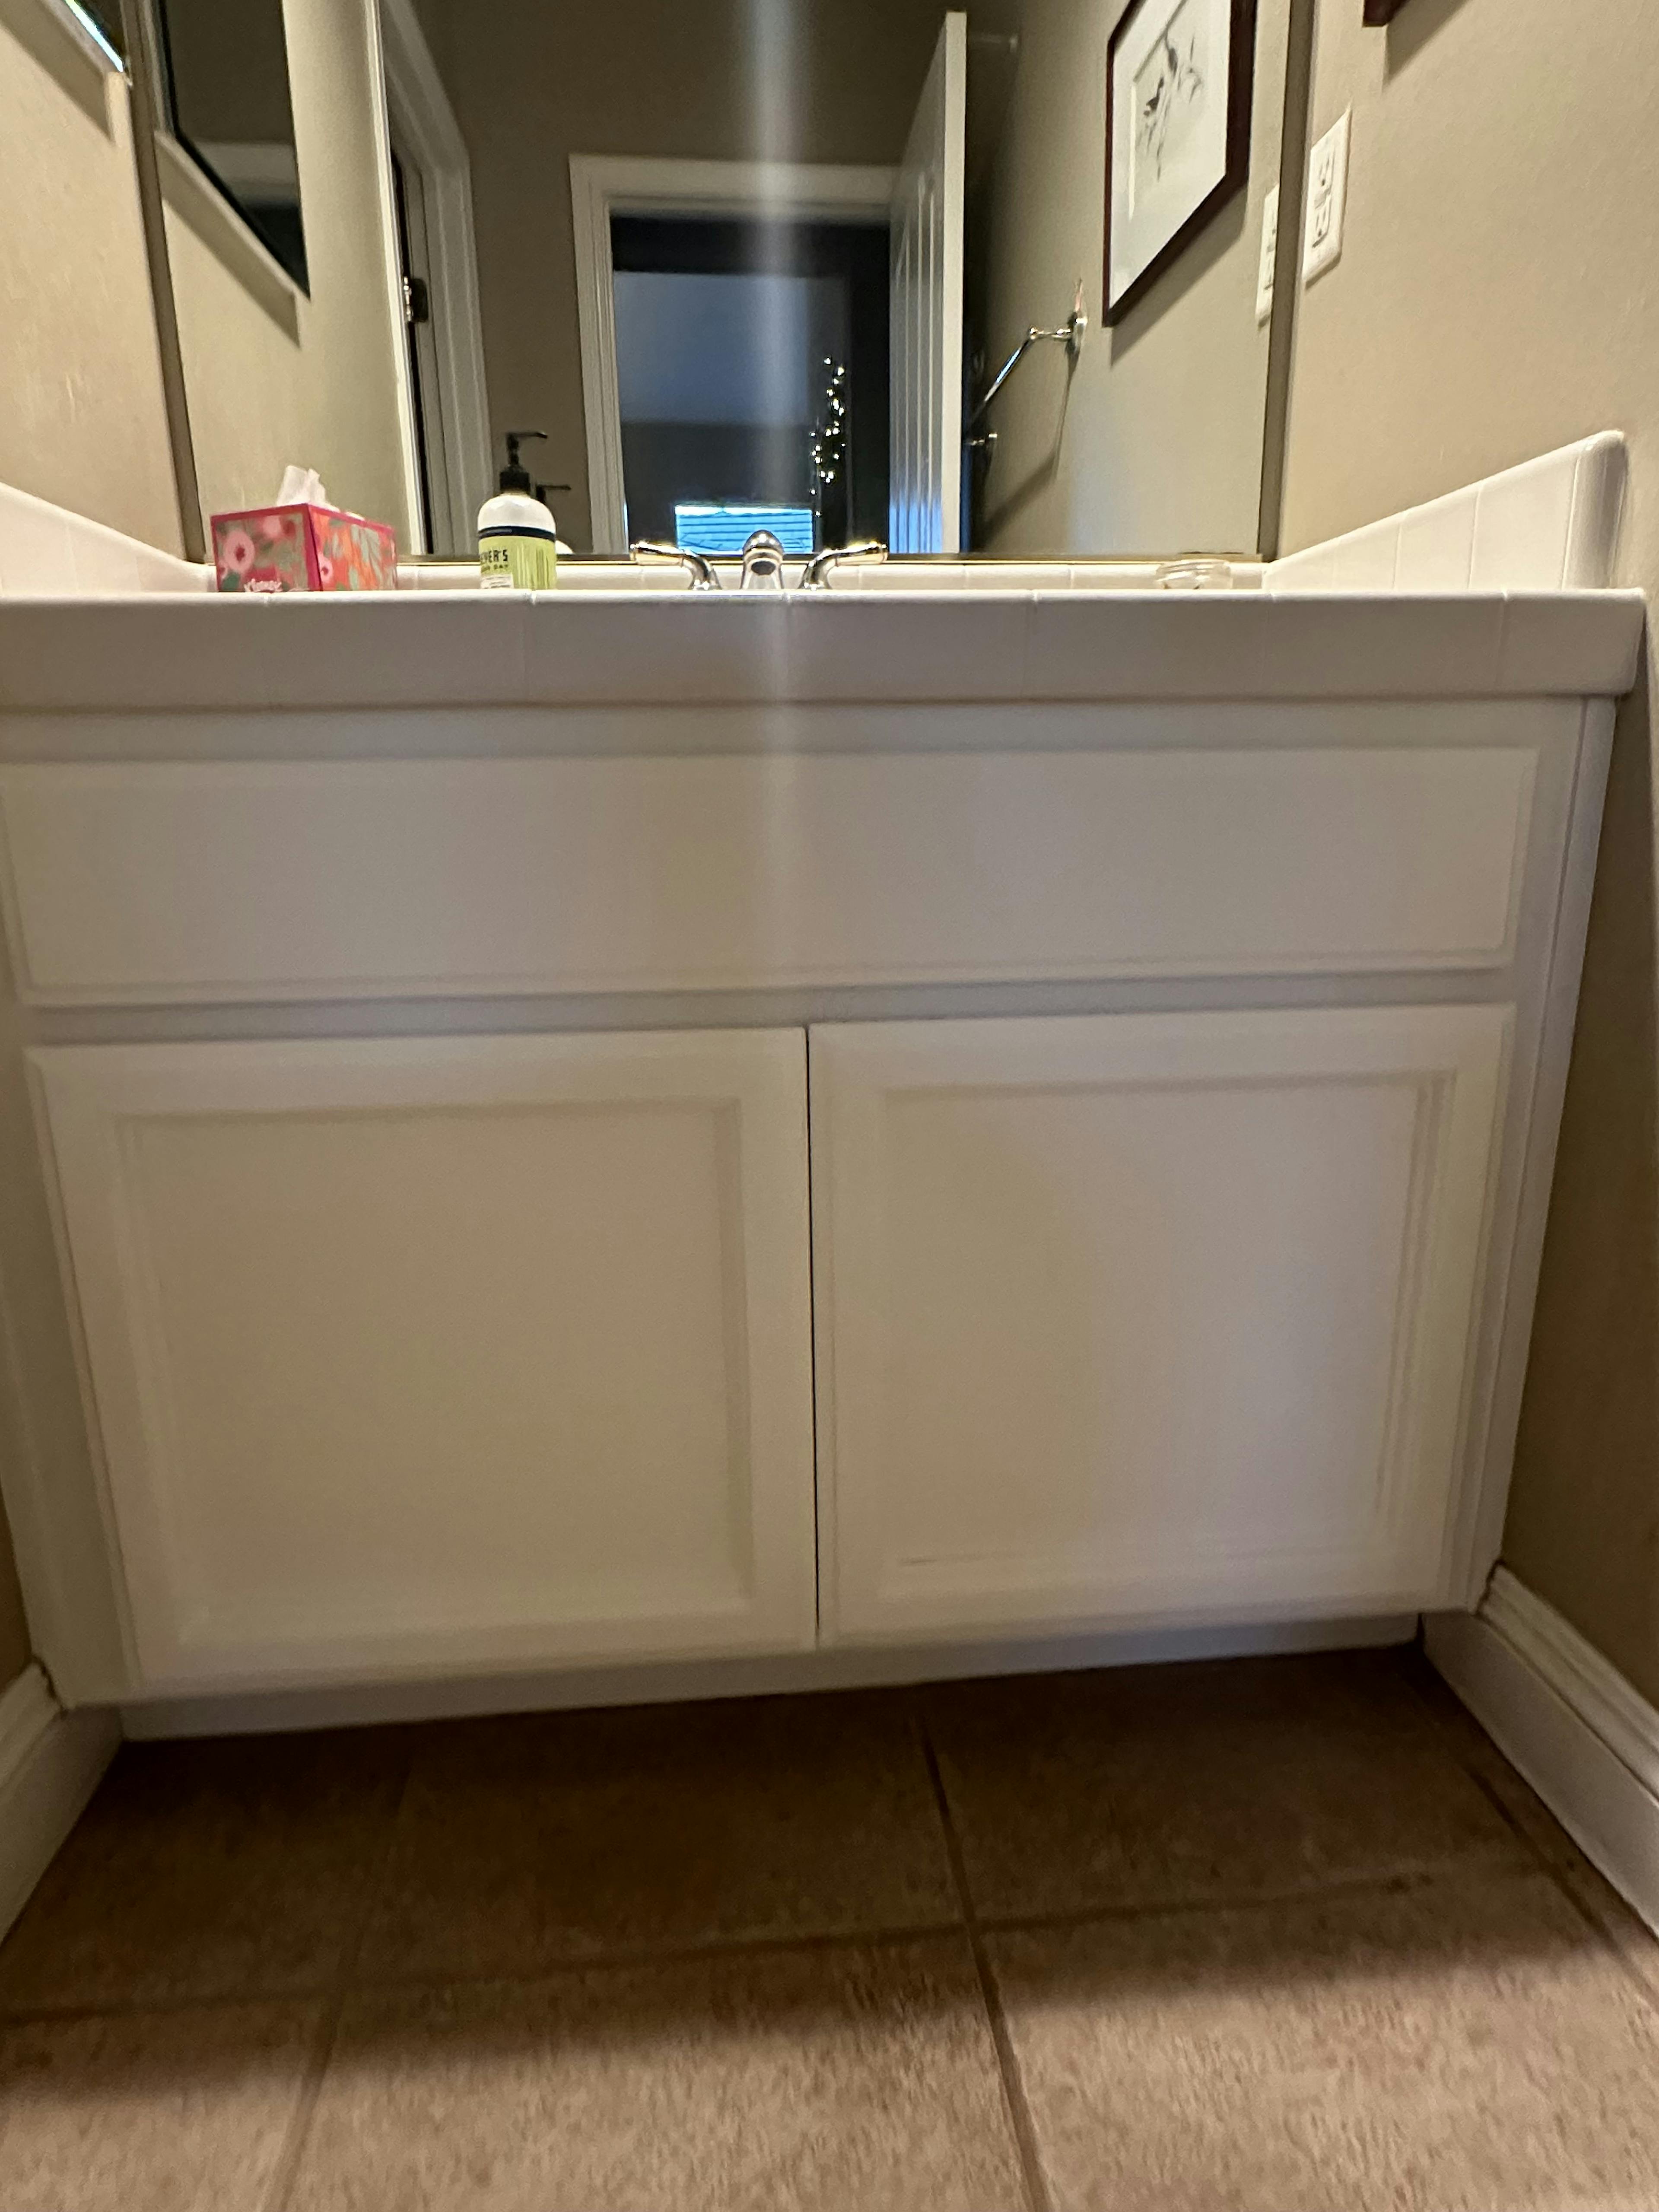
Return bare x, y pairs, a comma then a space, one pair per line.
1144, 1318
468, 1352
230, 881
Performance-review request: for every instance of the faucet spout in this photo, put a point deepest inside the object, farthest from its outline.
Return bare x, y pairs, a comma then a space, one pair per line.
762, 563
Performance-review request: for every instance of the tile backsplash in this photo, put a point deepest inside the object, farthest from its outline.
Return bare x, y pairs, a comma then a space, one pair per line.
1549, 525
47, 551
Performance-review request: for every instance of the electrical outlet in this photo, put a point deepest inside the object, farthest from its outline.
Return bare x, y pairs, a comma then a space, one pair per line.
1264, 281
1327, 199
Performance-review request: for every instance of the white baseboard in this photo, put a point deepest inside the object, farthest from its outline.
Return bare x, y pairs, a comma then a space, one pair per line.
50, 1762
1570, 1723
836, 1667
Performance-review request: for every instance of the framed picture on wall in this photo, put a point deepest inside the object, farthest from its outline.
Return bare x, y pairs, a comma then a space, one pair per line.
1179, 75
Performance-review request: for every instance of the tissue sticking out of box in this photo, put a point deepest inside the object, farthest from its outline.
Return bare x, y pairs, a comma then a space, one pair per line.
300, 487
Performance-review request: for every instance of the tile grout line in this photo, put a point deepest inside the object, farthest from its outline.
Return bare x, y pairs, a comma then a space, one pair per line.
1398, 1881
447, 1977
1014, 2088
665, 1955
1541, 1858
286, 2174
741, 1948
1581, 1908
1605, 1937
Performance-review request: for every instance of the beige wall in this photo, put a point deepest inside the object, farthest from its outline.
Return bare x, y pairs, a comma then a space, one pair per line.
81, 416
14, 1629
533, 81
273, 377
83, 421
1496, 297
1154, 444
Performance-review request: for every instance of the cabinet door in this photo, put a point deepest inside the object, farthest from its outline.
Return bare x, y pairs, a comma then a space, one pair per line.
1144, 1318
446, 1353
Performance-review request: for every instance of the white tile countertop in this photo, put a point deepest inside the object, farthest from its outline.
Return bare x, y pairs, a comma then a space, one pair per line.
1493, 592
168, 653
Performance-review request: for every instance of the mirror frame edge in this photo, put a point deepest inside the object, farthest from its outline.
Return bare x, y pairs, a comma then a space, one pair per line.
138, 27
1287, 268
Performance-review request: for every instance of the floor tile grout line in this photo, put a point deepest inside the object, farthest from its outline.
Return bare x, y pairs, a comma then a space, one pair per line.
1392, 1882
742, 1948
286, 2174
1604, 1935
1532, 1844
546, 1970
668, 1954
1014, 2099
1580, 1906
674, 1954
243, 2000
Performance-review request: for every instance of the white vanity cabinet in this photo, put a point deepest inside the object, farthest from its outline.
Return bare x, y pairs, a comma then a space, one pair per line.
1146, 1318
1011, 1115
445, 1354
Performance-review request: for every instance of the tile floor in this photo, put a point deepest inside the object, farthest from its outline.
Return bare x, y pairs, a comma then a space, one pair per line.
1275, 1936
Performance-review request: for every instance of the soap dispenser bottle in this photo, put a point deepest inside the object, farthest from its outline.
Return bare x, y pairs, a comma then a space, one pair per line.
518, 538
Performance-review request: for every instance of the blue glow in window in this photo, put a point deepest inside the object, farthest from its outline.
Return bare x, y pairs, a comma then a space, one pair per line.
716, 530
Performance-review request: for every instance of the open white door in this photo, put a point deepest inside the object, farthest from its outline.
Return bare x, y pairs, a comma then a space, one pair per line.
925, 501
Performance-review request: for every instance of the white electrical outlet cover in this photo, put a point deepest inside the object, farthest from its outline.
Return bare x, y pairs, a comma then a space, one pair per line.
1327, 199
1264, 281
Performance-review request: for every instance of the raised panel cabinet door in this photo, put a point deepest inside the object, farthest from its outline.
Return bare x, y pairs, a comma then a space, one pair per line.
1143, 1319
435, 1354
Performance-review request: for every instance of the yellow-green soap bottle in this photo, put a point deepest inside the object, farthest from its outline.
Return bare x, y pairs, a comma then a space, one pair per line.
518, 537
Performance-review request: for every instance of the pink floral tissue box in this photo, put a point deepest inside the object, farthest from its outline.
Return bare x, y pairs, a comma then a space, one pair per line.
303, 549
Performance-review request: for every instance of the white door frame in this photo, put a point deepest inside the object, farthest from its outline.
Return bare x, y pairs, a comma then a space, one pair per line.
412, 536
429, 139
929, 211
602, 186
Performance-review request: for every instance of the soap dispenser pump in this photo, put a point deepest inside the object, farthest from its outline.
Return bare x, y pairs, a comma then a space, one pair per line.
518, 537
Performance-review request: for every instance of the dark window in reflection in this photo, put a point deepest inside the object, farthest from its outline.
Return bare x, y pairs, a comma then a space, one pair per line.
752, 378
227, 92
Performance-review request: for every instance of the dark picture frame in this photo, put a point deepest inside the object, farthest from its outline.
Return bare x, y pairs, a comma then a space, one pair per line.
1241, 89
1379, 12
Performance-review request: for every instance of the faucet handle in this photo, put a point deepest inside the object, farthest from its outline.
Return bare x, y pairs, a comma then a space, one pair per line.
703, 578
816, 577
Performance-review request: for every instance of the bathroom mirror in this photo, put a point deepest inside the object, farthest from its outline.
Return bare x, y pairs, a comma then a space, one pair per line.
833, 267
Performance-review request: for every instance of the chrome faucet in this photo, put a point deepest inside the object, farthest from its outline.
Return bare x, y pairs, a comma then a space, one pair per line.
763, 562
764, 558
703, 578
815, 575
